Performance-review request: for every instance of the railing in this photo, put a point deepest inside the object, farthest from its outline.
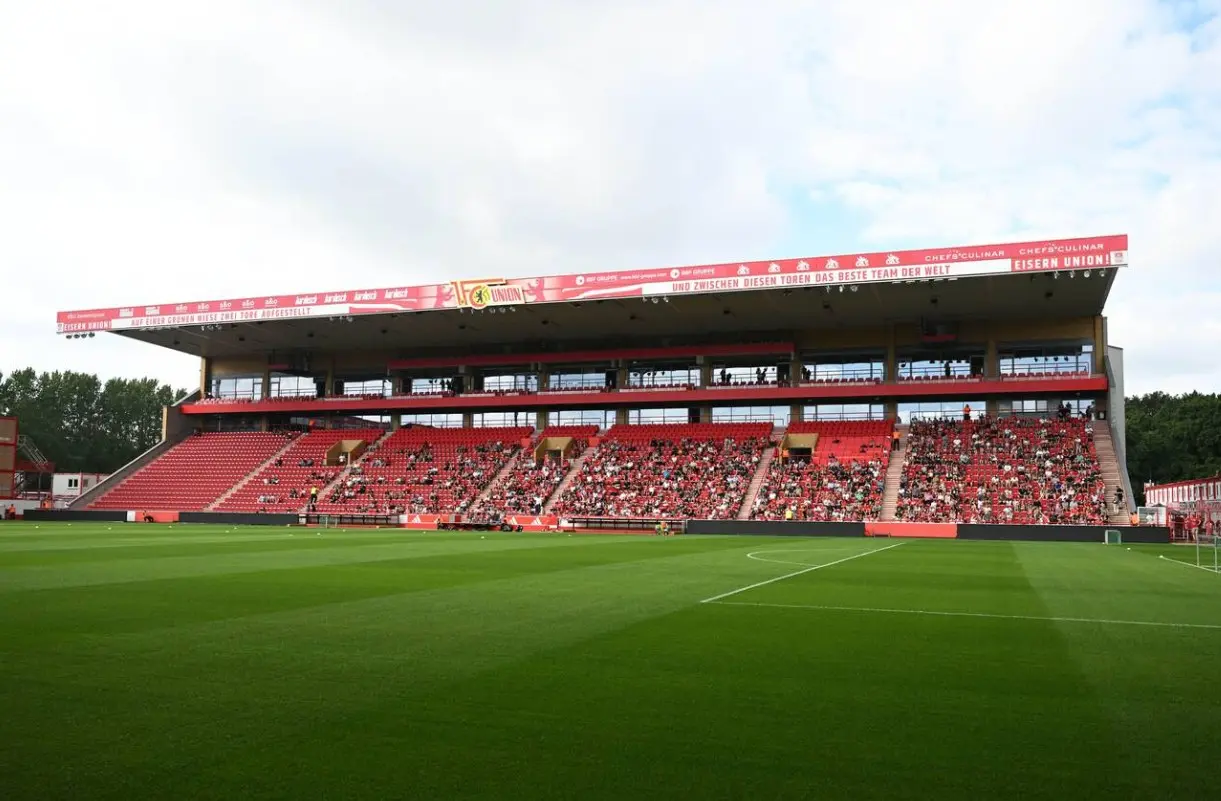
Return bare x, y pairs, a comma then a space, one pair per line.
907, 378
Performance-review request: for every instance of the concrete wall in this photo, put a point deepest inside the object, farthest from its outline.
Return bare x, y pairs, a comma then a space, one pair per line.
1117, 419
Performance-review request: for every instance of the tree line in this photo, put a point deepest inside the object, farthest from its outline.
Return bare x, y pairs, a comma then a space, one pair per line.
85, 425
82, 424
1173, 437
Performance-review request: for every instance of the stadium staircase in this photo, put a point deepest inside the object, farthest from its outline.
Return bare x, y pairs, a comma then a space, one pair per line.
229, 493
191, 475
171, 436
894, 475
574, 470
498, 479
370, 452
756, 481
291, 474
1108, 464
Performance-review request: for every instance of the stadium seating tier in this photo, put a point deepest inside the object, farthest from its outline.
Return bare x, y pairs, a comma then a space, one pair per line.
194, 473
1008, 470
422, 470
700, 470
842, 479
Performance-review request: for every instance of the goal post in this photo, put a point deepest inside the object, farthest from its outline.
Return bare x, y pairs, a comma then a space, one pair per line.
1112, 536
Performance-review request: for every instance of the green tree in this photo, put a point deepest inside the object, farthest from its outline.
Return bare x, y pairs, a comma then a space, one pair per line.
81, 424
1173, 437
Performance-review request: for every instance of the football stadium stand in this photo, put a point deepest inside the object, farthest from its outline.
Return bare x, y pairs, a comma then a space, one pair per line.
694, 470
533, 478
1009, 470
194, 473
838, 475
314, 460
816, 389
423, 470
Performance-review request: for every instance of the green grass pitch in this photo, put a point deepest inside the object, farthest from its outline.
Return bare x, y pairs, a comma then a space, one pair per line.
156, 662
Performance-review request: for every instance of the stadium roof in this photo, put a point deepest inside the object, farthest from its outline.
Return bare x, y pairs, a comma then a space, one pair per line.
1058, 278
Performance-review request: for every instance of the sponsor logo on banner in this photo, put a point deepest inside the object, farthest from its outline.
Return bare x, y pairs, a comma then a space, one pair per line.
487, 292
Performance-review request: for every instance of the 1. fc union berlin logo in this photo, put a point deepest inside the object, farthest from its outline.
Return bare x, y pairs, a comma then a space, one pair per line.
487, 292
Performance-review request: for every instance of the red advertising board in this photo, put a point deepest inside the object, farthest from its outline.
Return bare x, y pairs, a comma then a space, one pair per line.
853, 268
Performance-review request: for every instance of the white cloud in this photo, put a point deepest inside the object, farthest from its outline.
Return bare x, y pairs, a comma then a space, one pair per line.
155, 152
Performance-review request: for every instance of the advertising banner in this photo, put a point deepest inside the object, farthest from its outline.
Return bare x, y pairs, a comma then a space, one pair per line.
1088, 253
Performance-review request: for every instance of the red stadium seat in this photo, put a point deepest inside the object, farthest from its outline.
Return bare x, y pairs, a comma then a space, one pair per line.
1007, 470
194, 473
699, 470
422, 470
528, 486
842, 480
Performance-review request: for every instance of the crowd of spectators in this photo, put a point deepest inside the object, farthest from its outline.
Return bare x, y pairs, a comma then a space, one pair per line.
1002, 470
419, 478
831, 491
706, 478
525, 489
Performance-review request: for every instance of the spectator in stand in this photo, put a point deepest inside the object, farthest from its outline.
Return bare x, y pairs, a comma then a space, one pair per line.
1016, 470
664, 478
802, 489
525, 489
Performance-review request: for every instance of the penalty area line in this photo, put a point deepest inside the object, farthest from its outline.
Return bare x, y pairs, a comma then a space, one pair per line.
795, 573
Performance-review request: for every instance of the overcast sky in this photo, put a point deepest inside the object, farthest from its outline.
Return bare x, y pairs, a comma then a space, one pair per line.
163, 151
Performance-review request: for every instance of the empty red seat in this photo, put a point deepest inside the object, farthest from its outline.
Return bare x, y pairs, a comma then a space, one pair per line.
194, 473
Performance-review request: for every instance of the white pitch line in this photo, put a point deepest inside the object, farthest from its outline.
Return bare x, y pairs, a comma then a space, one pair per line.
931, 613
755, 555
1189, 564
797, 573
